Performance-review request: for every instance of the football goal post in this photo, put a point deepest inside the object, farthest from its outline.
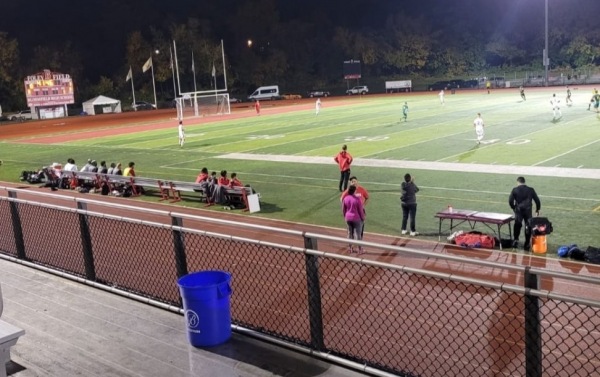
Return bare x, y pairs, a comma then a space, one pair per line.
192, 105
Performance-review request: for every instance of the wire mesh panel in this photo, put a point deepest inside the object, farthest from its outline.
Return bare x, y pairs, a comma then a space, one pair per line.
135, 257
52, 237
570, 339
420, 325
7, 233
269, 284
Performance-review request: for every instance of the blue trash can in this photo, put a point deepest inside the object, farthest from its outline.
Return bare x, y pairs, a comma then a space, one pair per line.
205, 296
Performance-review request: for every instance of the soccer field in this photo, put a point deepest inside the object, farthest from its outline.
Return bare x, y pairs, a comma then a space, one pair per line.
288, 156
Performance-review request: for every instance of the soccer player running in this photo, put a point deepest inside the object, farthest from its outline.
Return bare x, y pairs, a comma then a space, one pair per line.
181, 133
441, 94
568, 101
596, 101
405, 111
555, 102
478, 124
522, 90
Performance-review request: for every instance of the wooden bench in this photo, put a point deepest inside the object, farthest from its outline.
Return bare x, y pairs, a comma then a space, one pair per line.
9, 335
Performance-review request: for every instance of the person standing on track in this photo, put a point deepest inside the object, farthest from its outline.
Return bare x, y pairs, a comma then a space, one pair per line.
344, 160
181, 133
362, 194
257, 107
354, 215
478, 124
408, 199
520, 201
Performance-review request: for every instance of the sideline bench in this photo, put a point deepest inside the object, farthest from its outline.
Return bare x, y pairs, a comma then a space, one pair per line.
474, 217
9, 335
168, 189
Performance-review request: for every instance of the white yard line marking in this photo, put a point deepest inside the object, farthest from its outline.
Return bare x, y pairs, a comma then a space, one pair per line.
540, 171
567, 152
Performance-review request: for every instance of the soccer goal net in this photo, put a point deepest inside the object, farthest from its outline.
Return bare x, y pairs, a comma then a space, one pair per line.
195, 105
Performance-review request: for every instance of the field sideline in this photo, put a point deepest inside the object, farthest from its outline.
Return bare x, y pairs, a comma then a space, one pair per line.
287, 154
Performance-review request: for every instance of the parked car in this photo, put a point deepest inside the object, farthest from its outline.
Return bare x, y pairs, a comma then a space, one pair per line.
234, 100
22, 115
360, 89
318, 93
142, 105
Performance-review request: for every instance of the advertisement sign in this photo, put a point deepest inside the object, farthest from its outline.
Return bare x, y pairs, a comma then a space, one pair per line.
48, 88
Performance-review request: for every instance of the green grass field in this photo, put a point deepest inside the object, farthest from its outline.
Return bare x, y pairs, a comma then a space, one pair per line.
288, 157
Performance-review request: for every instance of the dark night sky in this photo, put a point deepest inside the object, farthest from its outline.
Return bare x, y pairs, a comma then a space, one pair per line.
99, 28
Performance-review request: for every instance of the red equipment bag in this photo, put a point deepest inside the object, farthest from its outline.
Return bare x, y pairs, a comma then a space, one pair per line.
475, 240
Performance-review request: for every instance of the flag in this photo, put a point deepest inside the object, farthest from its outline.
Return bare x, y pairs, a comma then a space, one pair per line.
147, 65
214, 71
129, 75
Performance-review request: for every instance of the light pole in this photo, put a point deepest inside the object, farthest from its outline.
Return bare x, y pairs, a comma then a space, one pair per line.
546, 58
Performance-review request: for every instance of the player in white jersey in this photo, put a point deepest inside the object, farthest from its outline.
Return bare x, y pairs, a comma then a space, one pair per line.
478, 124
181, 134
555, 102
441, 94
318, 106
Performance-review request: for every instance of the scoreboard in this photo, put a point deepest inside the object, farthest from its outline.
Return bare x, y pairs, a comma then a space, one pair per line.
352, 69
48, 88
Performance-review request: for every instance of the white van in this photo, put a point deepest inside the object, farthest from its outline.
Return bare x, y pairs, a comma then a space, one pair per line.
265, 92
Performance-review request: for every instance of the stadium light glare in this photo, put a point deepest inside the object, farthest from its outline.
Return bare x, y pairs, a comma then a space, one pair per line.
249, 42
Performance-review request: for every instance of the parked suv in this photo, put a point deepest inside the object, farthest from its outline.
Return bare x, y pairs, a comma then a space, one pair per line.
361, 89
22, 115
142, 105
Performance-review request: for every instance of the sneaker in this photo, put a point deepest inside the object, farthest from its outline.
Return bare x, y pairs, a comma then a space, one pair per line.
350, 250
361, 250
414, 234
515, 244
403, 231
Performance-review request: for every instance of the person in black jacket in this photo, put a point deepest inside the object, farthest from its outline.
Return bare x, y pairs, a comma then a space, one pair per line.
408, 199
520, 200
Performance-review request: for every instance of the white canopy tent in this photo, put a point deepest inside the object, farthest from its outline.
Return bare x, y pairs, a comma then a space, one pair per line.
102, 105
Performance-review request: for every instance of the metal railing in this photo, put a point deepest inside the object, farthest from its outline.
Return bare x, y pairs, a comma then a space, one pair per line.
431, 318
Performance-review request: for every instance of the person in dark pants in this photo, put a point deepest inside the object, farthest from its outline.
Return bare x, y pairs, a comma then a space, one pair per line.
408, 200
520, 200
344, 160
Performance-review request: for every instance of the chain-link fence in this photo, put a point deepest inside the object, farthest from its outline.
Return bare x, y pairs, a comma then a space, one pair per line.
404, 320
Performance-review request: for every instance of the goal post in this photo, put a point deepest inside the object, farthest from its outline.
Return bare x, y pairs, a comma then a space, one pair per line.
196, 104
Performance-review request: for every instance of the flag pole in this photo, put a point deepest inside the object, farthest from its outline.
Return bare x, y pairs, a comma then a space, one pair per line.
130, 77
173, 72
195, 91
224, 70
154, 85
214, 74
177, 67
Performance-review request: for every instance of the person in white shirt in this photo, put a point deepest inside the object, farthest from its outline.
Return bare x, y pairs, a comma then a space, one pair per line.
88, 166
181, 134
318, 106
441, 94
70, 165
478, 124
555, 102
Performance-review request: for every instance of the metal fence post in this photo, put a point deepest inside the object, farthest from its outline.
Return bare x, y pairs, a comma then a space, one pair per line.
86, 243
179, 247
315, 312
17, 227
533, 331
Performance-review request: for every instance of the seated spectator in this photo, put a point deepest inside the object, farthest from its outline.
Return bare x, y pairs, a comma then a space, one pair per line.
70, 165
235, 182
94, 168
111, 170
103, 169
88, 166
223, 180
130, 170
203, 176
117, 170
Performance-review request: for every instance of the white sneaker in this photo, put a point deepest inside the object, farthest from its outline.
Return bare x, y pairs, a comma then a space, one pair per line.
403, 232
414, 234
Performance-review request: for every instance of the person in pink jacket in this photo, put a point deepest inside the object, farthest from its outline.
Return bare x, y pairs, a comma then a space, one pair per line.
354, 214
344, 160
